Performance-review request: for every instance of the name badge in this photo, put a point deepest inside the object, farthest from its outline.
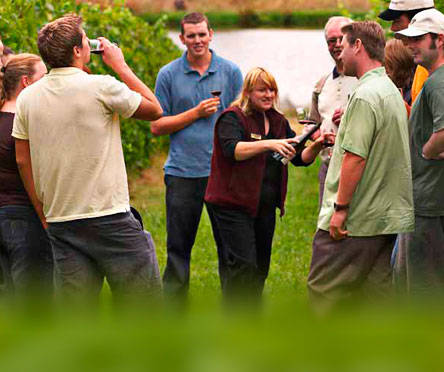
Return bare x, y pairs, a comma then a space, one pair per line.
256, 136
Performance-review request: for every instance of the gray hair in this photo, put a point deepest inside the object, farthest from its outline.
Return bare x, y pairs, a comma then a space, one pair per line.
336, 20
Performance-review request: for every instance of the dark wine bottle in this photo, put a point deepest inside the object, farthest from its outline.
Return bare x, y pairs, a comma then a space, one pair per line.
302, 139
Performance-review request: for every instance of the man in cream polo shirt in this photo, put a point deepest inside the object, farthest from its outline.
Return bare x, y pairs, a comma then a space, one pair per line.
70, 157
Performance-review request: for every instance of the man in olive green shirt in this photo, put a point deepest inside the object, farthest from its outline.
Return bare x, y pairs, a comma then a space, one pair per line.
424, 248
368, 193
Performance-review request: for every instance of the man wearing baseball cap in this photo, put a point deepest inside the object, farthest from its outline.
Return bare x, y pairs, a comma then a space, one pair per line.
400, 13
424, 248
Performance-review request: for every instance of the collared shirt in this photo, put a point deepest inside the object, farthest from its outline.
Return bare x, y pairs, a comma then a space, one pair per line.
332, 95
374, 127
180, 88
427, 117
71, 121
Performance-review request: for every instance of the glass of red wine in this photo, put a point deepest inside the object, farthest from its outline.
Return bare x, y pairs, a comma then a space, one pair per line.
216, 93
95, 46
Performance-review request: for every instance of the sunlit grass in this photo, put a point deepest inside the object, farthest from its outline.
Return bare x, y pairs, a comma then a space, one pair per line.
292, 241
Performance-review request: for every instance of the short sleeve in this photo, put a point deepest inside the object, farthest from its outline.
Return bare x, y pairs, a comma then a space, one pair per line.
359, 128
117, 97
20, 128
435, 98
237, 82
163, 92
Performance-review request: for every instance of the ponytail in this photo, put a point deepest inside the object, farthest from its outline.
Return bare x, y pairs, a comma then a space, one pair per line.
10, 74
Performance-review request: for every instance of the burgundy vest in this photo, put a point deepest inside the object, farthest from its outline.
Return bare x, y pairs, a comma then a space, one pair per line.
237, 184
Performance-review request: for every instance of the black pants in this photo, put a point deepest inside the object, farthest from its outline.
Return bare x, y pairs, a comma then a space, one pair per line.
184, 204
244, 250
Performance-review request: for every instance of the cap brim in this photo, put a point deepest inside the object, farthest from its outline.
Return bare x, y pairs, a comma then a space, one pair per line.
410, 32
390, 14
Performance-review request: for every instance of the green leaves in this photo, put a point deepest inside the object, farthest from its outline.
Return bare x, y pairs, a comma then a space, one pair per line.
146, 48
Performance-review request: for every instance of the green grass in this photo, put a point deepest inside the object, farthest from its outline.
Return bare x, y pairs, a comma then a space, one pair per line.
292, 242
284, 337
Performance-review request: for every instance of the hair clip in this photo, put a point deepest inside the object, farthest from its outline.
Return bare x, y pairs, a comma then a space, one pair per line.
3, 69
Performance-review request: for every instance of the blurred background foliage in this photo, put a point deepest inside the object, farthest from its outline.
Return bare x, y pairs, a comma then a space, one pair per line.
146, 47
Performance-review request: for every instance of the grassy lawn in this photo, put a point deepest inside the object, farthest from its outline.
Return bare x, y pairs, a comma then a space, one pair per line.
292, 241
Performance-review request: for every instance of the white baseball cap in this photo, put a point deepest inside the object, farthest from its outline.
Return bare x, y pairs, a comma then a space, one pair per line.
398, 7
430, 20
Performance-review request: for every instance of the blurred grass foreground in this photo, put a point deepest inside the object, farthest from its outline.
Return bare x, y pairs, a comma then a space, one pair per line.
283, 336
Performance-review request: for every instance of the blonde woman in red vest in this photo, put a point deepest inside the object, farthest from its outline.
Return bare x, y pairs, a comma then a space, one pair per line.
246, 184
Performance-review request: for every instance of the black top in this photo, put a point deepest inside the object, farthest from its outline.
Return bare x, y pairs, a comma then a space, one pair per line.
230, 132
12, 190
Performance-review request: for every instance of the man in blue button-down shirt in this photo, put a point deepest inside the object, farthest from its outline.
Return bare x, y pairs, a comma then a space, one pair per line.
184, 89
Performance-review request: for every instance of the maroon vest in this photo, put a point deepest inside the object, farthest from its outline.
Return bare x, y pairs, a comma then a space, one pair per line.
237, 184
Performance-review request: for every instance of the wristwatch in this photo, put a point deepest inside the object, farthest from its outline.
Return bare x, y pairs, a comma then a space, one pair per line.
340, 207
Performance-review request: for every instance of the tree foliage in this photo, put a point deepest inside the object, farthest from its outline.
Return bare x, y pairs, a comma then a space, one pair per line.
146, 48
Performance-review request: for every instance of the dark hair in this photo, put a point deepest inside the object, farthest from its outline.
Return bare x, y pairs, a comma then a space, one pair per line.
19, 65
371, 35
411, 13
194, 18
57, 39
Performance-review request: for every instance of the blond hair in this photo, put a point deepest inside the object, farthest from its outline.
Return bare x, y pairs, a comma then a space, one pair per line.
18, 65
254, 76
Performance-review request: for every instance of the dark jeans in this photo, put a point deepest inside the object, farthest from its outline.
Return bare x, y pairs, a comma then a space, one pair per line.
25, 252
184, 204
244, 250
88, 250
419, 267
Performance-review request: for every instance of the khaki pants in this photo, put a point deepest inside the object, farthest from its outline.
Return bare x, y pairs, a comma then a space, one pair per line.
354, 267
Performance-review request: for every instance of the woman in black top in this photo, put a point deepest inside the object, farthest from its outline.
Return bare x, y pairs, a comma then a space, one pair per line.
25, 254
246, 184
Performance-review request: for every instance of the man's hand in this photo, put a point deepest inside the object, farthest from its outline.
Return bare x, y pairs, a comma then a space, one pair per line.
337, 115
112, 54
207, 107
307, 128
337, 225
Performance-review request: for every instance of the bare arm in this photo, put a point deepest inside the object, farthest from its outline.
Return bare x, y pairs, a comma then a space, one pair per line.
174, 123
434, 147
149, 108
351, 173
23, 158
309, 154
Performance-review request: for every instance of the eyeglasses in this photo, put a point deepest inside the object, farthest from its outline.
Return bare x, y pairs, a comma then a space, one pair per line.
333, 40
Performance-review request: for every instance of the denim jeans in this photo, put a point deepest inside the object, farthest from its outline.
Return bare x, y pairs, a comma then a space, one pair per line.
25, 252
184, 204
114, 247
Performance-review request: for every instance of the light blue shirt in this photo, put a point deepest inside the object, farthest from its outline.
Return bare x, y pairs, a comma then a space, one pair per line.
178, 89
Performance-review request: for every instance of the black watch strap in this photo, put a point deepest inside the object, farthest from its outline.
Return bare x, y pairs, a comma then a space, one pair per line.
341, 207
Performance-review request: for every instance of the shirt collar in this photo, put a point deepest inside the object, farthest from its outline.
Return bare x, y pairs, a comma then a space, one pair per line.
214, 64
335, 73
65, 71
379, 71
